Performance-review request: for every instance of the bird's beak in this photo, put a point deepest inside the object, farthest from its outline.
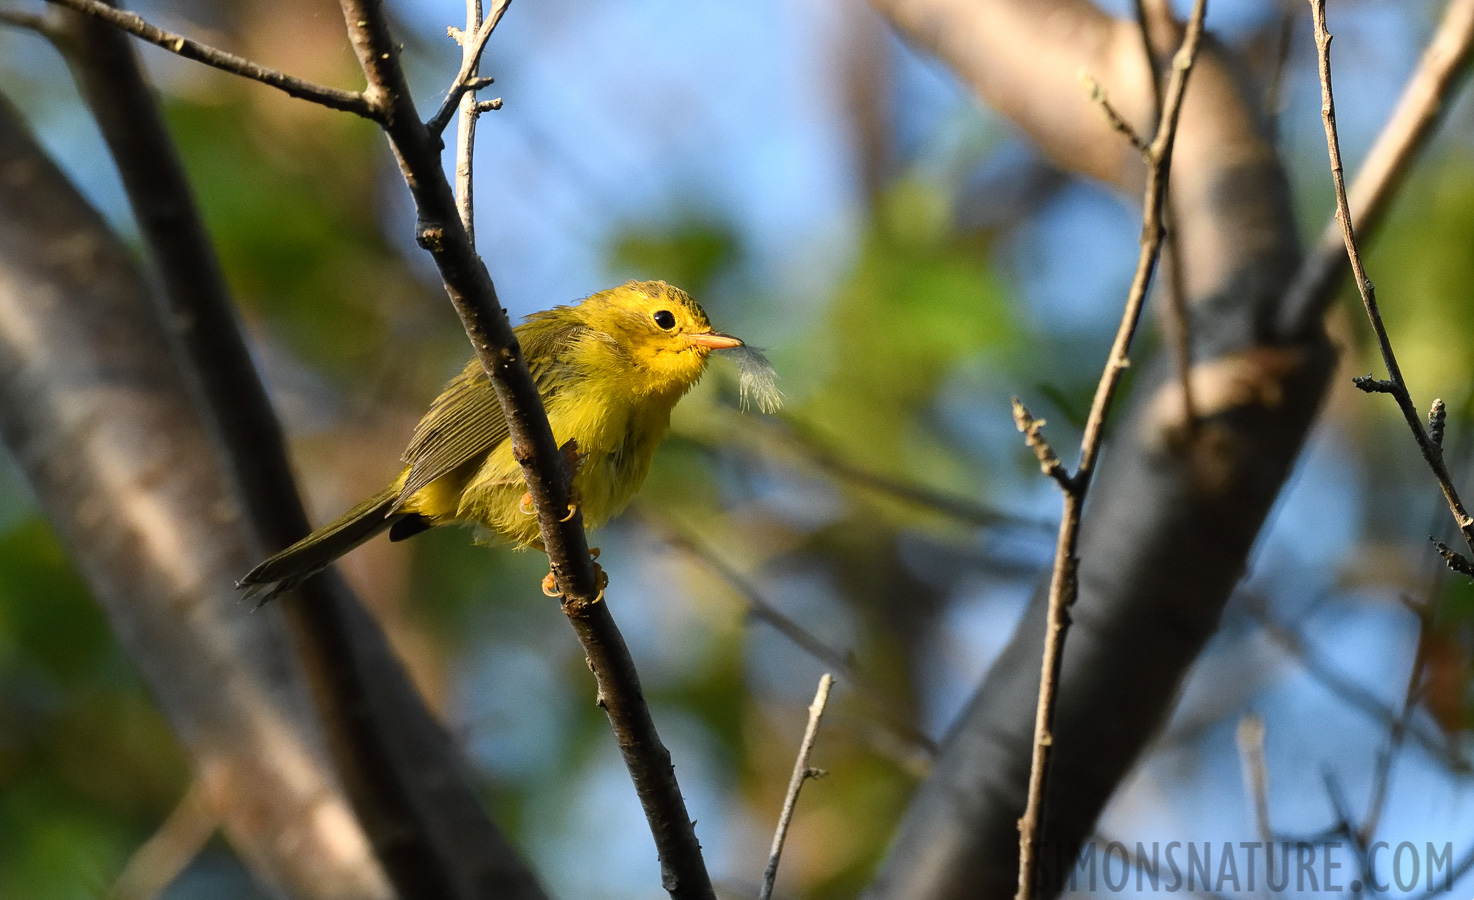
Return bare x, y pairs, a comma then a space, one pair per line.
714, 340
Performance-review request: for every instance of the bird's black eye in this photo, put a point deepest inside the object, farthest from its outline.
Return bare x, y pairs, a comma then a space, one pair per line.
665, 319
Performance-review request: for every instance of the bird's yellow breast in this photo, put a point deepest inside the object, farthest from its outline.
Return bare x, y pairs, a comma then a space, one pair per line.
616, 437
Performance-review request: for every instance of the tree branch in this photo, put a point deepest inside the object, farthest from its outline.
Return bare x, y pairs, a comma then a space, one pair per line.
331, 97
801, 773
544, 467
1394, 385
466, 80
1173, 511
1063, 584
1420, 108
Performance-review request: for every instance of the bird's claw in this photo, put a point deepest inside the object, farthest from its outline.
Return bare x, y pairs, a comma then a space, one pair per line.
601, 581
572, 509
525, 507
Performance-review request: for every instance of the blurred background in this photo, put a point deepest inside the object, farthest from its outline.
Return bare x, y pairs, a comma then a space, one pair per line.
909, 263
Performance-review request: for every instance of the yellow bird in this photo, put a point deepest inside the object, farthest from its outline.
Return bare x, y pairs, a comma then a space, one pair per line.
609, 369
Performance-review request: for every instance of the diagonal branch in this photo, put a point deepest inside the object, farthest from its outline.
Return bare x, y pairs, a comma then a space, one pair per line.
331, 97
544, 466
1395, 384
1064, 584
801, 773
466, 80
545, 469
1420, 108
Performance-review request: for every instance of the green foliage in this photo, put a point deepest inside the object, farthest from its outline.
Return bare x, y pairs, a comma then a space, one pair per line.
298, 234
1422, 266
918, 302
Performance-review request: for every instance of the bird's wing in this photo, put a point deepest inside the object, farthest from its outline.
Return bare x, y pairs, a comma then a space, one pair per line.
466, 420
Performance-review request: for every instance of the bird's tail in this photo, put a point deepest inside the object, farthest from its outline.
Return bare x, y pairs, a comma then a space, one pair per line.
315, 552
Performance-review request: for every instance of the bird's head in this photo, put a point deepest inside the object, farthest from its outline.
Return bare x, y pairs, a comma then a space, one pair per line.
662, 333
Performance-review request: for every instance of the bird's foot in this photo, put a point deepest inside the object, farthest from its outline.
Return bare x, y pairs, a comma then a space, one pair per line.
601, 581
525, 507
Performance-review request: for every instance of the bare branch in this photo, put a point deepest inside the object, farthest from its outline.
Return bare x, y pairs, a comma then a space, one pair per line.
544, 467
1394, 385
1064, 585
1099, 97
1032, 430
801, 773
333, 98
1421, 106
466, 80
1175, 317
466, 133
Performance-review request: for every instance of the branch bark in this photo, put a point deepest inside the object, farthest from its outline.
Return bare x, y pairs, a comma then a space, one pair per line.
132, 23
544, 466
1063, 582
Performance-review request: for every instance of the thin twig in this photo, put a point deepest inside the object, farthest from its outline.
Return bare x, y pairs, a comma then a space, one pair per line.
1063, 586
1346, 827
466, 80
1175, 315
1422, 105
544, 466
466, 136
1100, 98
1394, 385
331, 97
1250, 739
801, 773
1032, 430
